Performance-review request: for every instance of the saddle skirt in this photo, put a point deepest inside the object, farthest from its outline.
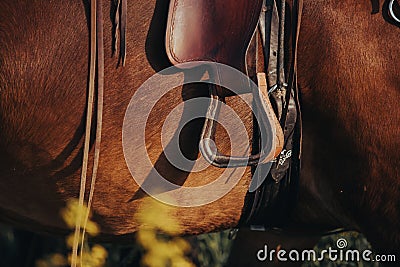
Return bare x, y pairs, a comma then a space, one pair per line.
209, 30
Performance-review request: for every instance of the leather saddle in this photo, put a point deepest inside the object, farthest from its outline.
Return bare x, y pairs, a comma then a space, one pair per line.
220, 31
210, 30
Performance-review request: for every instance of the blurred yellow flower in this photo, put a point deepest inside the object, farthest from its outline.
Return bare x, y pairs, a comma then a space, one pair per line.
157, 235
156, 215
91, 257
54, 260
71, 212
95, 257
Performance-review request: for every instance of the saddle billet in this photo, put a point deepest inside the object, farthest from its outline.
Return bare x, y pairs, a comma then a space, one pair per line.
271, 204
220, 31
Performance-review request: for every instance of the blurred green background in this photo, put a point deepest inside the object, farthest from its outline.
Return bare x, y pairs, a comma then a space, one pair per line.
24, 249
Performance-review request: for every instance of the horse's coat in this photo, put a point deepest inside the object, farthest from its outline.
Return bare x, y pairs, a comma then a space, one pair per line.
349, 78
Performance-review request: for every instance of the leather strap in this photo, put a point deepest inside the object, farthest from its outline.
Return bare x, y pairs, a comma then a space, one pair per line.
100, 99
89, 111
120, 20
123, 22
96, 54
272, 202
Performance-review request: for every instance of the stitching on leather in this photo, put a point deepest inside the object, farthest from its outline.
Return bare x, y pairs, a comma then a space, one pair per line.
171, 36
248, 33
176, 58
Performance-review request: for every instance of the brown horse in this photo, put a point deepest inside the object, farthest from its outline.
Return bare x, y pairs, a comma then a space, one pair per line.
349, 81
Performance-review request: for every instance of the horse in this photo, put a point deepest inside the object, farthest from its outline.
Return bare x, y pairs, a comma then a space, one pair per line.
348, 81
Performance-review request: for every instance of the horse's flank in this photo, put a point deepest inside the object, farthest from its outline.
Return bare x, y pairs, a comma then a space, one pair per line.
43, 97
349, 77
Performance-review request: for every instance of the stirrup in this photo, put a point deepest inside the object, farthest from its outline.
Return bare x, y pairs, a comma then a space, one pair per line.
207, 142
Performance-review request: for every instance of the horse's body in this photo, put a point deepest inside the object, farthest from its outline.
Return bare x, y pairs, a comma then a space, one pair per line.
349, 81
